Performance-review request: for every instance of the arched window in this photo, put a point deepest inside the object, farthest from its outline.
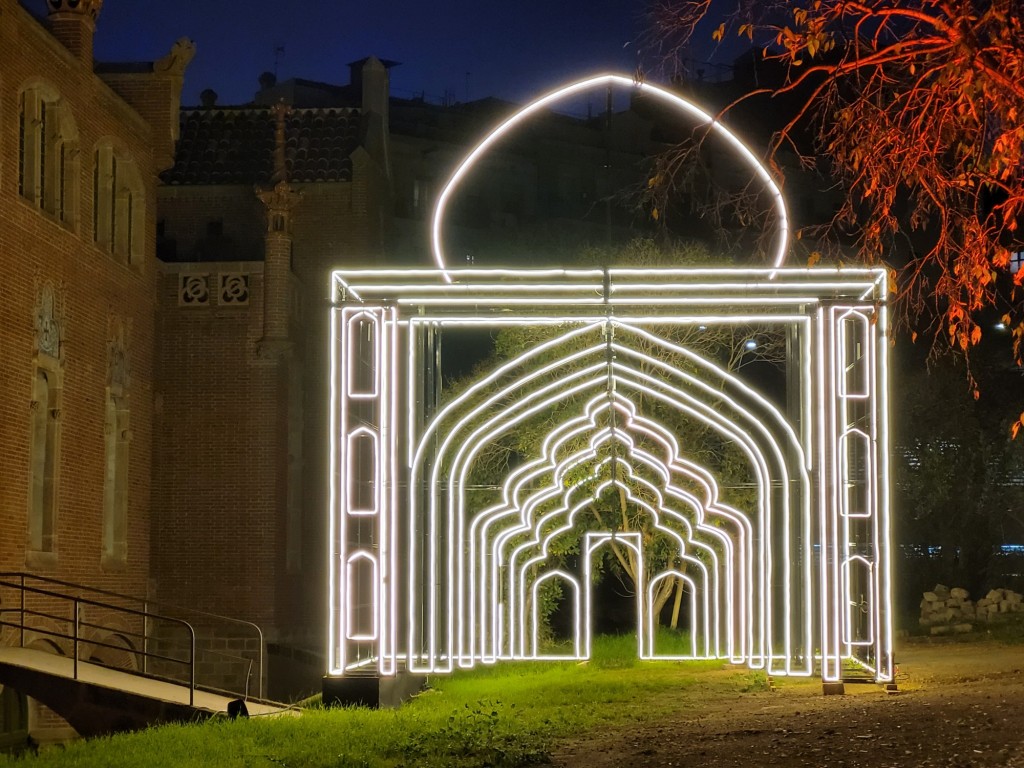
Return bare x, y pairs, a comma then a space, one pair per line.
117, 438
47, 153
42, 519
118, 204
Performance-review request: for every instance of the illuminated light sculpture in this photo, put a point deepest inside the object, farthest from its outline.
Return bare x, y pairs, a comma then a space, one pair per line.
429, 572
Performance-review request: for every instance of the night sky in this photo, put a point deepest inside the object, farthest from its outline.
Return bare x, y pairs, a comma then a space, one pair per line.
509, 50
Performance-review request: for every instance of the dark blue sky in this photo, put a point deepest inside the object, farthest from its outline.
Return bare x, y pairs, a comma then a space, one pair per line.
510, 50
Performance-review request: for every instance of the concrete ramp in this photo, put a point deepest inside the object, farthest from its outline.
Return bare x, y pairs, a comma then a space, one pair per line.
103, 700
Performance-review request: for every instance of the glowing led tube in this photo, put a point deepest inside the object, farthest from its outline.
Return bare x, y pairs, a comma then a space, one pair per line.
695, 112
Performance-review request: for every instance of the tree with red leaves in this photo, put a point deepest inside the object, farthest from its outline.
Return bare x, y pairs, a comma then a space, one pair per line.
918, 107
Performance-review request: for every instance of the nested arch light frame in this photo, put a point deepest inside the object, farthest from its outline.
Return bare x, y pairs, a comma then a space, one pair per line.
783, 586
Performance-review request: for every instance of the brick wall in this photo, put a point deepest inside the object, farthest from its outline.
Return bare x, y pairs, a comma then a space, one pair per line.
219, 462
220, 500
92, 288
93, 291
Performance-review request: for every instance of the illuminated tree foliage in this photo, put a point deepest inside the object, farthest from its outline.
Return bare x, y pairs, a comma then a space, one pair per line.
918, 105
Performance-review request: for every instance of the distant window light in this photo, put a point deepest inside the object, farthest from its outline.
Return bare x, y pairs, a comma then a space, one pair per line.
1016, 261
421, 194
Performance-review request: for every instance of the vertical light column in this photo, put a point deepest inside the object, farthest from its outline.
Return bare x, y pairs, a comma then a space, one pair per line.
857, 612
362, 461
824, 382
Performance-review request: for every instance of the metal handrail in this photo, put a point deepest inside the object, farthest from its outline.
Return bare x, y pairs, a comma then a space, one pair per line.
145, 604
64, 636
42, 631
77, 622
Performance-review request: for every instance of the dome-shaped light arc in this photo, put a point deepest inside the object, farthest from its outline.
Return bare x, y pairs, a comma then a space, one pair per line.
437, 240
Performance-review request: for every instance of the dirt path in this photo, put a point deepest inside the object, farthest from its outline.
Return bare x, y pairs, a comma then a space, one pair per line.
957, 705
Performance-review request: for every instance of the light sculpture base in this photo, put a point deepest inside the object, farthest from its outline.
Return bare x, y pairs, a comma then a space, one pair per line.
371, 691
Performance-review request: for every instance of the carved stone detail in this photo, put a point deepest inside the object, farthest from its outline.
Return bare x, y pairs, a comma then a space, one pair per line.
118, 360
48, 321
280, 201
175, 62
233, 289
194, 290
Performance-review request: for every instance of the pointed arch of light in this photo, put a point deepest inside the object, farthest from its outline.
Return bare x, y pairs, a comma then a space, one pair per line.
598, 381
660, 467
669, 371
868, 568
649, 461
580, 488
352, 564
577, 598
501, 422
517, 575
672, 572
509, 366
686, 107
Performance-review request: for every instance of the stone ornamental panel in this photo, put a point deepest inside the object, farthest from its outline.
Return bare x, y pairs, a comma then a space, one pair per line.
48, 322
194, 291
233, 289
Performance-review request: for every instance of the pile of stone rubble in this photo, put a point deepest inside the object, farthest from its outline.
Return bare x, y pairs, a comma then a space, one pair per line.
951, 611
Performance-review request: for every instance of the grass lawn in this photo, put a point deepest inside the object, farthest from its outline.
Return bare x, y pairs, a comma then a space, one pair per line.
506, 715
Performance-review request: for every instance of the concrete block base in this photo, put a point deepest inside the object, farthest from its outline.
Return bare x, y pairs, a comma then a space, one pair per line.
371, 692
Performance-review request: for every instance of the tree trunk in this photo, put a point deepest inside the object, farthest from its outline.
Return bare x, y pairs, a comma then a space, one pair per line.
678, 602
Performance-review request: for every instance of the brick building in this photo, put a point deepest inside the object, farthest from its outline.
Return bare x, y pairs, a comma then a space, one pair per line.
262, 202
81, 145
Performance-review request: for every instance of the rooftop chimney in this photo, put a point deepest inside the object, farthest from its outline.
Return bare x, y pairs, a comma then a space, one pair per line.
73, 23
267, 80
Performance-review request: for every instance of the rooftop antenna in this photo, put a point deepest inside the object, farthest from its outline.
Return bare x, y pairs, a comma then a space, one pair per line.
278, 53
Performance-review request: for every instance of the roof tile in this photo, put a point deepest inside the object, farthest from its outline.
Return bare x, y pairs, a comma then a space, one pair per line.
224, 145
